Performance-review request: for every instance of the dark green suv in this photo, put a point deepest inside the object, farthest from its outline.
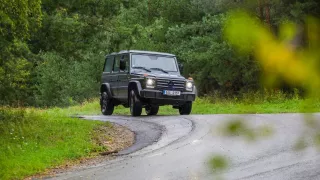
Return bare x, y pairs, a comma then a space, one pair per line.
143, 79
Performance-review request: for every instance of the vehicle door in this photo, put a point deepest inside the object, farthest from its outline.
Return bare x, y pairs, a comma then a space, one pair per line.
107, 75
123, 76
115, 73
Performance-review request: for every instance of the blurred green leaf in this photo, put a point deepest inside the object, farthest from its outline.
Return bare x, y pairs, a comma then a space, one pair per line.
218, 163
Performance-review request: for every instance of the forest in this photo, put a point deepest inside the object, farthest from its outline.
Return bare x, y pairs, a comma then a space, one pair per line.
52, 51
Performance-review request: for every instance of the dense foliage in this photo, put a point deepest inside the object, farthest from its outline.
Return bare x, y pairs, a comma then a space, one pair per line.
51, 52
18, 20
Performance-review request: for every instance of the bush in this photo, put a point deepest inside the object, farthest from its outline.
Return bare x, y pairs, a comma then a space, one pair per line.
62, 82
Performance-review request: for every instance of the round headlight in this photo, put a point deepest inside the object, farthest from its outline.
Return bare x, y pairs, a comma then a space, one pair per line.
150, 82
189, 85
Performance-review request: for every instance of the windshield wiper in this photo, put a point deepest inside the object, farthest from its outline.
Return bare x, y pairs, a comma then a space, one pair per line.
159, 69
140, 67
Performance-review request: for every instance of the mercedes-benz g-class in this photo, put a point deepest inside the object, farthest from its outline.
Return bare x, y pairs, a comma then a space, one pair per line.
144, 79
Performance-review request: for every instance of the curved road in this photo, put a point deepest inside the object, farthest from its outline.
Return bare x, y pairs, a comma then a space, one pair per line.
179, 147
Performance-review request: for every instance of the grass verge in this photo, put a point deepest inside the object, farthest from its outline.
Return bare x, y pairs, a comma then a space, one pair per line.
33, 140
210, 105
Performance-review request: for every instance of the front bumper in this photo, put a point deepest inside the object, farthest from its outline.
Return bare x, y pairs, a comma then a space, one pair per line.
158, 95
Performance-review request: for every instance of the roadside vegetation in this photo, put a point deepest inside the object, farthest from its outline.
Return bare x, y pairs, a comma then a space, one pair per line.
33, 140
253, 103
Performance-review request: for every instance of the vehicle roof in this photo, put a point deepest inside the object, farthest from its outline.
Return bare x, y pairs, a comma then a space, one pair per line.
141, 52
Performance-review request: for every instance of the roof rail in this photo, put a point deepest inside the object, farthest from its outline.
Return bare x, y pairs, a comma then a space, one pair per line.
139, 51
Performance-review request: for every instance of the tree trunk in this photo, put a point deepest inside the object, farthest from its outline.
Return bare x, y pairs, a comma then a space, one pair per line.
260, 6
267, 12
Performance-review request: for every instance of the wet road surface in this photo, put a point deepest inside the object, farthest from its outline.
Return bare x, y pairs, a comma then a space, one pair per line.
179, 147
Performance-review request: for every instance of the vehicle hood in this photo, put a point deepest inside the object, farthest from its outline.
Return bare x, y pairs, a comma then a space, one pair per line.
159, 74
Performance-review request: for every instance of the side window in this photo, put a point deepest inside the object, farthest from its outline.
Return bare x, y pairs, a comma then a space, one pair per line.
108, 64
116, 66
124, 62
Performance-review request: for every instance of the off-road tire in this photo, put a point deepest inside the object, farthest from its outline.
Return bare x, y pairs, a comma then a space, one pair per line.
152, 110
186, 108
106, 104
135, 104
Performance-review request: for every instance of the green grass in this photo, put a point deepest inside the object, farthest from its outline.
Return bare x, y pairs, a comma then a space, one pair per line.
33, 140
211, 105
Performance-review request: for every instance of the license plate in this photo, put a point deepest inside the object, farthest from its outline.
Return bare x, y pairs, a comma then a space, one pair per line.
171, 93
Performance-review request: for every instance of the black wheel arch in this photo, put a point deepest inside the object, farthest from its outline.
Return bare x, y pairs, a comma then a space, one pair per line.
105, 87
134, 85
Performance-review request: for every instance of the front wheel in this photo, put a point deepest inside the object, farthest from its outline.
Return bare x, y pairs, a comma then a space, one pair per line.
152, 110
106, 104
135, 104
185, 109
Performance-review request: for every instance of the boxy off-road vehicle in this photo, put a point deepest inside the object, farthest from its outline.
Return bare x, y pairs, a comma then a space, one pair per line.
143, 79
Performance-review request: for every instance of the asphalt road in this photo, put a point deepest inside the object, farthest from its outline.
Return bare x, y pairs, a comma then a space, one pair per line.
179, 147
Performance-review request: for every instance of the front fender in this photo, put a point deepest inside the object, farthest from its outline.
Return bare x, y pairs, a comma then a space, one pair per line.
195, 91
106, 87
135, 85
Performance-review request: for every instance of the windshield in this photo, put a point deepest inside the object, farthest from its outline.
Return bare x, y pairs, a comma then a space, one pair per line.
165, 63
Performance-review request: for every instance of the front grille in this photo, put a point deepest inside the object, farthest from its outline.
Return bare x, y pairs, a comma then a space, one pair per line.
170, 84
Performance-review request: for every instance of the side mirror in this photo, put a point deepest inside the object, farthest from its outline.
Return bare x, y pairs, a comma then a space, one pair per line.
122, 64
180, 65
